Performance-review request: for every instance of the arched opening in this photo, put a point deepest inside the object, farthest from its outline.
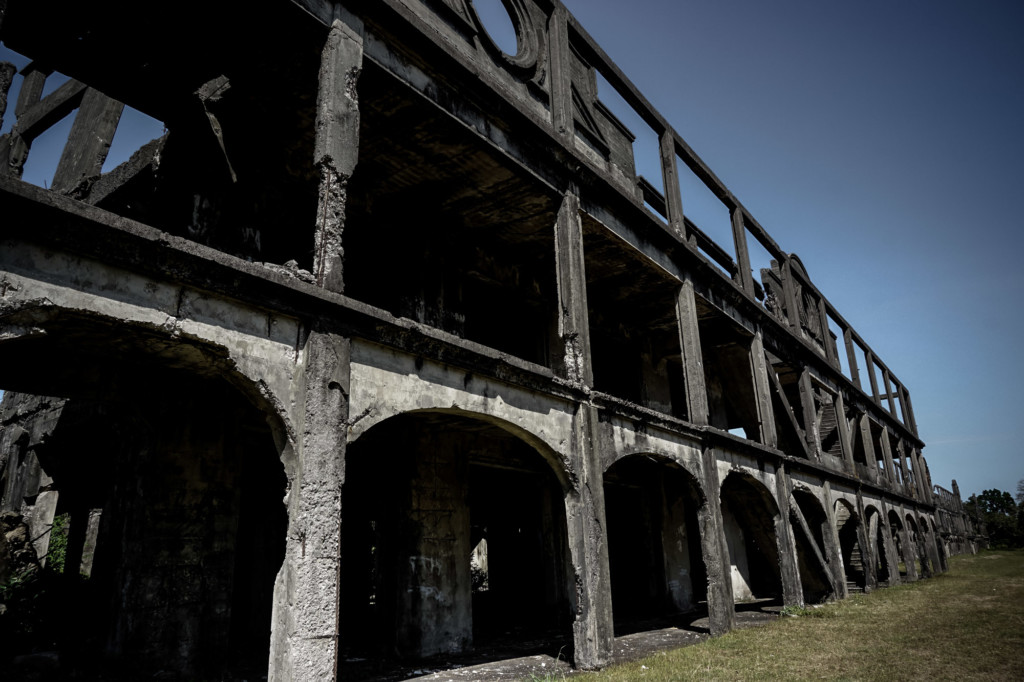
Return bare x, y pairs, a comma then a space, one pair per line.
877, 534
749, 516
896, 531
453, 538
928, 559
915, 552
848, 528
811, 530
161, 490
654, 543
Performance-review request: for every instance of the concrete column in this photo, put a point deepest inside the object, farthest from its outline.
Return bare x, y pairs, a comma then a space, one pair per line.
868, 548
336, 148
713, 543
304, 631
835, 547
810, 413
693, 363
584, 506
789, 567
892, 557
759, 371
573, 324
910, 554
588, 546
887, 457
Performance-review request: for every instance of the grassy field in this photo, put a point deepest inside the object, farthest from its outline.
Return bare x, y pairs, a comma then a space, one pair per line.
967, 624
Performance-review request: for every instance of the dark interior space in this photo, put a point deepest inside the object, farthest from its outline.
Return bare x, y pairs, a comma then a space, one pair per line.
811, 551
171, 500
755, 513
654, 545
462, 548
848, 525
445, 231
634, 327
728, 372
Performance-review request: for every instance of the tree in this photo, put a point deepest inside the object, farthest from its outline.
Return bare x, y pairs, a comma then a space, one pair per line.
999, 511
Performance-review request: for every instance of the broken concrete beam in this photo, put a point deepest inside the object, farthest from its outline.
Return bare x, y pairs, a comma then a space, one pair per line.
336, 148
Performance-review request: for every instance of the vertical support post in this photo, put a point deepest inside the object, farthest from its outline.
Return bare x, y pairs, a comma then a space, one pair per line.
670, 176
826, 335
851, 357
721, 606
904, 410
868, 547
810, 414
887, 456
693, 362
792, 305
304, 632
739, 237
573, 323
845, 437
585, 508
336, 149
921, 476
889, 393
910, 410
561, 72
762, 389
714, 547
898, 459
892, 557
869, 444
869, 358
789, 567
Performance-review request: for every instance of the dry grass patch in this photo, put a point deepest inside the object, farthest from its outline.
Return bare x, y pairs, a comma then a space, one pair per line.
967, 624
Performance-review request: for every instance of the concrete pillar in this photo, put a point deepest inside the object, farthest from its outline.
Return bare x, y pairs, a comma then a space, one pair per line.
721, 610
304, 631
588, 546
584, 506
789, 566
759, 372
891, 555
336, 147
835, 547
868, 547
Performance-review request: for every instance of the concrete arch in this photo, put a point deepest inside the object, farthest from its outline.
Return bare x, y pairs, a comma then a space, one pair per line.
162, 441
102, 352
654, 511
558, 462
856, 561
387, 383
453, 526
917, 543
879, 540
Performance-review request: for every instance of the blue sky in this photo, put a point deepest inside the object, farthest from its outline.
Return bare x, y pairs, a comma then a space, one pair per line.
880, 141
883, 143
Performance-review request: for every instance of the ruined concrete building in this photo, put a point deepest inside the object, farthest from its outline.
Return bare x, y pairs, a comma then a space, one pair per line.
385, 349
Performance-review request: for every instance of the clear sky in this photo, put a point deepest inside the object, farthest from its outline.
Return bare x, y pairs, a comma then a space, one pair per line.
881, 142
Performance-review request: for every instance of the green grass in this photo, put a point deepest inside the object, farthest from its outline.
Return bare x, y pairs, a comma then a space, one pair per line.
967, 624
